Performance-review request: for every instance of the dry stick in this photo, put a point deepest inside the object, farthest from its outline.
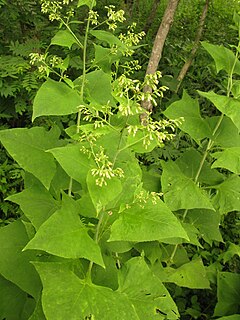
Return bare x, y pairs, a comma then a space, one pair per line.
189, 61
157, 49
151, 16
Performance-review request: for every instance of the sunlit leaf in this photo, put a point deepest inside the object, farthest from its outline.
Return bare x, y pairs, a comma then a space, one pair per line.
152, 222
64, 235
228, 159
55, 98
64, 38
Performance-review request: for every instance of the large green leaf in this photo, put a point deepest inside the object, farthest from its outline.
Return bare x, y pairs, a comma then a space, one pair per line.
227, 198
14, 264
232, 250
11, 296
64, 38
102, 195
191, 275
207, 222
153, 222
189, 163
28, 146
228, 159
74, 162
227, 105
98, 87
228, 293
193, 123
146, 292
55, 98
36, 203
232, 317
107, 37
65, 296
223, 57
180, 192
104, 58
227, 135
64, 235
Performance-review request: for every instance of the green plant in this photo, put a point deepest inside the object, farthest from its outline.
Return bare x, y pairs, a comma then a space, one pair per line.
101, 237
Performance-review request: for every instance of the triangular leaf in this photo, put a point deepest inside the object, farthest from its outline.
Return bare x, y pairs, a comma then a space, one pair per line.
193, 123
153, 222
227, 198
223, 57
28, 146
65, 296
228, 159
145, 291
185, 276
180, 192
14, 264
227, 105
228, 293
64, 38
64, 235
36, 203
55, 98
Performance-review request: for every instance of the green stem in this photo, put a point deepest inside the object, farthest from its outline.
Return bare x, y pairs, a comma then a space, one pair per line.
73, 34
210, 142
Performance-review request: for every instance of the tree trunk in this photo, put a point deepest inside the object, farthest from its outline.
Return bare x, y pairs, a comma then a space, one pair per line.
159, 41
189, 61
151, 16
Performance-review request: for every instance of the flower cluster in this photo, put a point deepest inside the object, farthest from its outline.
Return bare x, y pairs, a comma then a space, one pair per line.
114, 17
45, 63
104, 169
131, 39
54, 8
93, 16
143, 196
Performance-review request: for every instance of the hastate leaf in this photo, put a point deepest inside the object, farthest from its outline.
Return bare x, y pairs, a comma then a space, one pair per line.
64, 235
227, 105
64, 38
74, 162
28, 146
55, 98
193, 123
223, 57
145, 291
14, 264
228, 159
36, 203
180, 191
228, 293
65, 296
153, 222
191, 275
227, 197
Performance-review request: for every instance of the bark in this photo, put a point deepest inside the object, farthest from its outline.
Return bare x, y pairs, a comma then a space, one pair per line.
151, 16
189, 61
159, 41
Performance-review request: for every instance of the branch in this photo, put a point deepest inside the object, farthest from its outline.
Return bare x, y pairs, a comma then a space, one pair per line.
189, 61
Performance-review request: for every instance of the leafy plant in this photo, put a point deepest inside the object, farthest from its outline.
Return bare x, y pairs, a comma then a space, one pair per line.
100, 236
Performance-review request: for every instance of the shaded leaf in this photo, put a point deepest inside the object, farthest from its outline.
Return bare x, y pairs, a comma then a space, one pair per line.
227, 198
223, 57
228, 293
193, 123
64, 235
207, 222
180, 192
14, 264
153, 222
66, 296
227, 105
11, 296
28, 146
36, 203
108, 37
232, 250
228, 159
55, 98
